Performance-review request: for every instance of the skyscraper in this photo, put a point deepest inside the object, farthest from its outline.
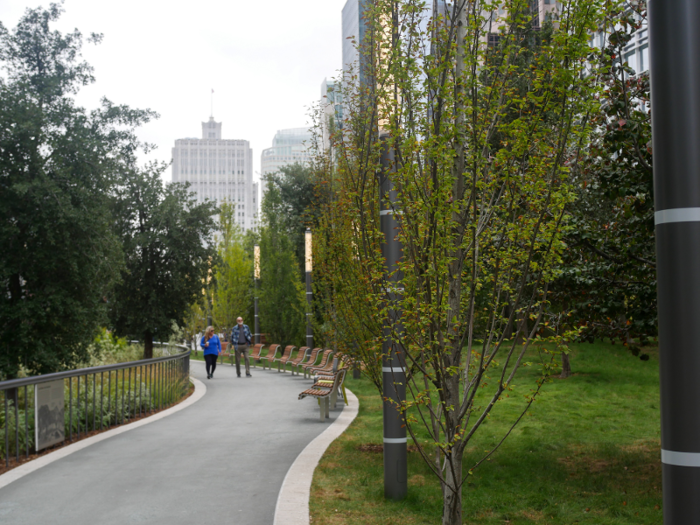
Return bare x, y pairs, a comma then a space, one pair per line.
219, 170
353, 34
288, 146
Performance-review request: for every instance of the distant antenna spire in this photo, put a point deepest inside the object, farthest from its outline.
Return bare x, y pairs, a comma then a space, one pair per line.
212, 102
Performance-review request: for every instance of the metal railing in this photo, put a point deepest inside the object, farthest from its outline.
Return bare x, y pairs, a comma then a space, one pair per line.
95, 398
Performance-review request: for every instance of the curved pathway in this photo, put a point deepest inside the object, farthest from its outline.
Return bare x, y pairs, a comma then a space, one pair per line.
220, 461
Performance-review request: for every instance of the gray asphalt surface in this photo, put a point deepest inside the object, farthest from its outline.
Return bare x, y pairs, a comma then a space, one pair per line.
219, 461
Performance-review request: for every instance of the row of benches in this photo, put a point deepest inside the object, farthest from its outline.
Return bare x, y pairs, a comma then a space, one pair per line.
327, 370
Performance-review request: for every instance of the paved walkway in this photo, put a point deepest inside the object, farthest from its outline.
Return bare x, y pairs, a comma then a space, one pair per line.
219, 461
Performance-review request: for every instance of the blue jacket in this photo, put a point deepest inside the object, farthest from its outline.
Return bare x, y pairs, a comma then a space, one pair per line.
235, 332
214, 347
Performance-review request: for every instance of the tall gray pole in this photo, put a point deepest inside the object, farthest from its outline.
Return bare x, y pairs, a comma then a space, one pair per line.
309, 292
675, 80
393, 361
256, 276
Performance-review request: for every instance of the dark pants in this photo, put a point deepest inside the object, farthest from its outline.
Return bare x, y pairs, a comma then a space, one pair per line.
211, 363
242, 349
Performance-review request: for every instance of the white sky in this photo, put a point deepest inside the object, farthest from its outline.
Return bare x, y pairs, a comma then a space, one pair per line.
264, 60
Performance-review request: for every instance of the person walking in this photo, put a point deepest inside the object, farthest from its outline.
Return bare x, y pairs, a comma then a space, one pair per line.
212, 348
240, 338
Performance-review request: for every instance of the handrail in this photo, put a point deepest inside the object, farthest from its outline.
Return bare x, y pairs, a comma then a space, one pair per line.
35, 380
94, 398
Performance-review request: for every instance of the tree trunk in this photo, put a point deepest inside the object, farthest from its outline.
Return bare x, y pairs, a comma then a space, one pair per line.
523, 329
452, 492
565, 366
147, 345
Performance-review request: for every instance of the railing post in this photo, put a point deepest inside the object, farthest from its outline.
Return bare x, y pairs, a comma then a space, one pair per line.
170, 382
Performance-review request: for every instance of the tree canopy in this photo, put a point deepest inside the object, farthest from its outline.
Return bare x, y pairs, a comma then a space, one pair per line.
233, 275
608, 284
58, 163
480, 118
168, 248
282, 301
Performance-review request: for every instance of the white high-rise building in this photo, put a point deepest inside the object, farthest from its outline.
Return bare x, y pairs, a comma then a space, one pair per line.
218, 170
289, 146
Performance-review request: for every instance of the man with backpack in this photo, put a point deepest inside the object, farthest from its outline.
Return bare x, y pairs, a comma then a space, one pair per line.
241, 340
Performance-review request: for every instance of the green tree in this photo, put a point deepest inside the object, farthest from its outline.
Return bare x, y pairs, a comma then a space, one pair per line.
608, 286
233, 295
484, 139
281, 300
58, 164
296, 206
168, 246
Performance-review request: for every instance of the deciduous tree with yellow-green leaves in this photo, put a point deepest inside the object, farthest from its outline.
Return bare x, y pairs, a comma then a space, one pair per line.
486, 111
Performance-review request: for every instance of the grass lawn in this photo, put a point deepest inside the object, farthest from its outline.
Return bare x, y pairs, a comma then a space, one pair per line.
587, 452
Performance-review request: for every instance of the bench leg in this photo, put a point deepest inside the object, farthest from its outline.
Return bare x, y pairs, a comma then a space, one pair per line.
334, 398
327, 403
321, 408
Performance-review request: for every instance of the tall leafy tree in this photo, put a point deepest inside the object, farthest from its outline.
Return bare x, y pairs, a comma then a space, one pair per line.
609, 283
168, 247
297, 204
58, 164
233, 295
282, 300
483, 142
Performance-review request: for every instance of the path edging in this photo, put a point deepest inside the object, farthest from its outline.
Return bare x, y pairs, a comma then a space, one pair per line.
27, 468
293, 500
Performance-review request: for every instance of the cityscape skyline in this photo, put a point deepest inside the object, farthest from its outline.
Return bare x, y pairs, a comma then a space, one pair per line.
169, 60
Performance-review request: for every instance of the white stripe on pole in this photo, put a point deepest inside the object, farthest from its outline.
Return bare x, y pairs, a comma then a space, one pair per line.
396, 369
680, 459
677, 215
395, 440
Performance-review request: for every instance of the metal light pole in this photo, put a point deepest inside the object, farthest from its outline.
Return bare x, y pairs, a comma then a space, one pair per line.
256, 275
309, 293
393, 362
675, 80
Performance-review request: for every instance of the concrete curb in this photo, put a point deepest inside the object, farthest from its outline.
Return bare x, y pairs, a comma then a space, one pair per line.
293, 500
13, 475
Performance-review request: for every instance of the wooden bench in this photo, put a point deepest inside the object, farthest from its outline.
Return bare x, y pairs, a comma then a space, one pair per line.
325, 380
340, 361
324, 359
286, 356
308, 357
330, 367
270, 356
255, 353
324, 395
225, 347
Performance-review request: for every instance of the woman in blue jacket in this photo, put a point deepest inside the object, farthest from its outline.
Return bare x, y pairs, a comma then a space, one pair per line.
212, 348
